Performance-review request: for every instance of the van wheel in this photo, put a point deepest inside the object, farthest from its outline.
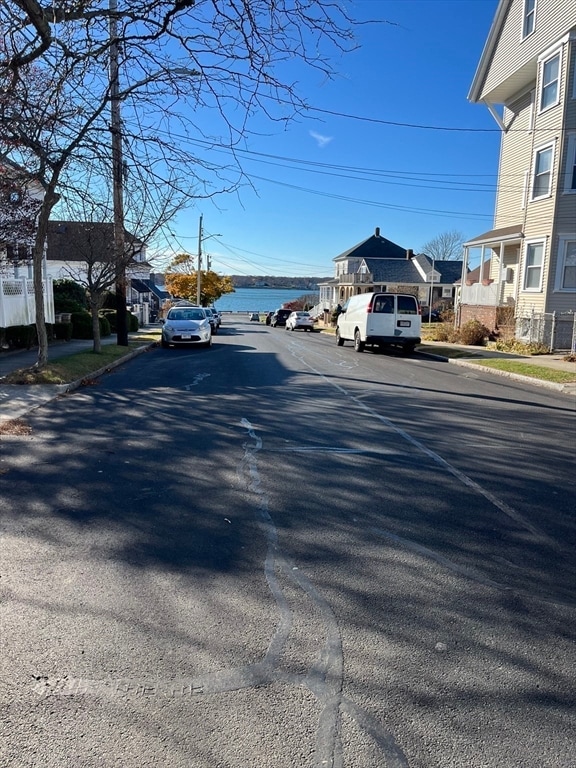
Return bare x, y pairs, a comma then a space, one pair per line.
408, 349
339, 339
358, 343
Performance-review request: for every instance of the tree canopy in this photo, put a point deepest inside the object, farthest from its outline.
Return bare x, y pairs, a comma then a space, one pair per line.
192, 78
185, 286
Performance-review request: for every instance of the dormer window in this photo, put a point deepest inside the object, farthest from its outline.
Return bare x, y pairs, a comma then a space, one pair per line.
529, 17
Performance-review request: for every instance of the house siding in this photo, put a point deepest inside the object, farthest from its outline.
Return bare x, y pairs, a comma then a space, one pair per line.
512, 53
515, 160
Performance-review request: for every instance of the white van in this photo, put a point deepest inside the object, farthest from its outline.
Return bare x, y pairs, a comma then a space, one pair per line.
380, 320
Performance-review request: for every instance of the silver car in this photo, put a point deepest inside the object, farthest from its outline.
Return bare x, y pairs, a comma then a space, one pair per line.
213, 318
186, 325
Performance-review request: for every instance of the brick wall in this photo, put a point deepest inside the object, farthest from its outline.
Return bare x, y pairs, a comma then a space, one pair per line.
486, 315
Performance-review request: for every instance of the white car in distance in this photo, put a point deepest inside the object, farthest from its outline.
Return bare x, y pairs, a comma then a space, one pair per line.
302, 320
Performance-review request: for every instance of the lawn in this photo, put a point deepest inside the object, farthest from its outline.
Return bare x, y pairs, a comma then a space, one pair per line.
65, 370
528, 369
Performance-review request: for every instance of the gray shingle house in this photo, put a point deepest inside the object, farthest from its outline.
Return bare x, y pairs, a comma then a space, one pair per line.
378, 264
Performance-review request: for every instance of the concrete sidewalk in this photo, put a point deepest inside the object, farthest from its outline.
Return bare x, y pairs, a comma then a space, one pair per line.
16, 400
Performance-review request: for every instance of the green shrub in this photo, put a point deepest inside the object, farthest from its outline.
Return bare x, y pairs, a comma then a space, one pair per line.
473, 333
67, 305
104, 326
62, 331
109, 301
82, 325
21, 336
69, 296
131, 320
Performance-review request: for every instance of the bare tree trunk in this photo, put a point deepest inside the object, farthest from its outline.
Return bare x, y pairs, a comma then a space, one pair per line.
94, 307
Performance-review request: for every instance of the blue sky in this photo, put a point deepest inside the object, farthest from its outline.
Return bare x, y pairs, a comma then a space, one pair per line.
325, 183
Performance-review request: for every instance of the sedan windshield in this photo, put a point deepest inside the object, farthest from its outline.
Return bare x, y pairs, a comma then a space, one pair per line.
186, 314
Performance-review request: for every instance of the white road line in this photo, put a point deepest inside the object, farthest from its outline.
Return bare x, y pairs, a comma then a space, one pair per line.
509, 511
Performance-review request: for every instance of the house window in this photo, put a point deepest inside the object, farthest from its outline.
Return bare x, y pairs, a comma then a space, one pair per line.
542, 178
529, 17
570, 174
566, 272
550, 87
533, 266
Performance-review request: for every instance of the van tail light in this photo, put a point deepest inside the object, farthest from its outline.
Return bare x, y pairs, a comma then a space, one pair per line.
369, 308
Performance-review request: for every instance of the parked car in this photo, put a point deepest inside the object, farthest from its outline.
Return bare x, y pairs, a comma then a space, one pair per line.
300, 320
279, 317
254, 317
213, 318
186, 325
433, 316
380, 320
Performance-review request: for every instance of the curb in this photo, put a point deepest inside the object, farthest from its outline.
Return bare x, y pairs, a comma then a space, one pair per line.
105, 369
568, 389
57, 390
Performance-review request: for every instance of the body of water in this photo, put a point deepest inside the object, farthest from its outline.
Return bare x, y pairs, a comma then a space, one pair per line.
259, 299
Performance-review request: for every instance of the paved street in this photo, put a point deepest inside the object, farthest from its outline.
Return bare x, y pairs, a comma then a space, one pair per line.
278, 552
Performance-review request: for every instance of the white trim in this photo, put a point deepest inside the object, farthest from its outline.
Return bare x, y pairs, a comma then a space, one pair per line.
570, 169
563, 241
532, 111
553, 48
535, 241
537, 151
557, 53
525, 189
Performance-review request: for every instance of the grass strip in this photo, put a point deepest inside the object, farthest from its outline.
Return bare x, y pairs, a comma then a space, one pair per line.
65, 370
528, 369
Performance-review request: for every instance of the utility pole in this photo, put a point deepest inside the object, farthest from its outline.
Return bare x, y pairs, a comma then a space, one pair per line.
117, 181
199, 272
431, 290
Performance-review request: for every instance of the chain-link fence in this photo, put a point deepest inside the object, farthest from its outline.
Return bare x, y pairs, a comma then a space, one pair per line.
556, 330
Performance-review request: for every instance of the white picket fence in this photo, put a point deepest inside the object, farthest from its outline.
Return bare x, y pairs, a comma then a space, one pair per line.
18, 303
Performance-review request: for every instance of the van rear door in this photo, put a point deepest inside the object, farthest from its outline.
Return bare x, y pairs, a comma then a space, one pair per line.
408, 318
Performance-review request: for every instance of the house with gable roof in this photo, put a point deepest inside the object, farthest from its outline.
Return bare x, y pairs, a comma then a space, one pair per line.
526, 77
76, 247
378, 264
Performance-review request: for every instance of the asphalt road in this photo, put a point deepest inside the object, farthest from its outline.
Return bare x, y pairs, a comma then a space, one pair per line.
280, 553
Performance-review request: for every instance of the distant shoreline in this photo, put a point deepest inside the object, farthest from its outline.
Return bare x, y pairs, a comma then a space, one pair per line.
274, 288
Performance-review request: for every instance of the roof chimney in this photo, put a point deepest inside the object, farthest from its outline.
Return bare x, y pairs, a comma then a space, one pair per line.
377, 232
409, 253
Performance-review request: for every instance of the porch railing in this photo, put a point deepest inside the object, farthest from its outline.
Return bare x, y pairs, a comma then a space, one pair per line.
481, 295
355, 278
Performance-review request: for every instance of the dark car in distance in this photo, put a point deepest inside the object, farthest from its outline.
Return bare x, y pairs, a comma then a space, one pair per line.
279, 317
